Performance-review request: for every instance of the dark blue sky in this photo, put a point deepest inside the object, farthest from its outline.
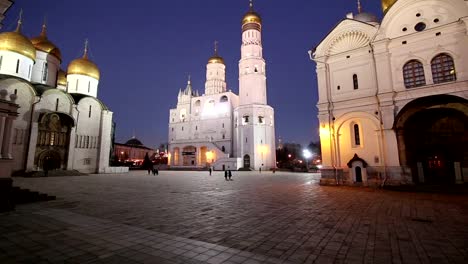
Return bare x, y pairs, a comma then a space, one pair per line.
146, 48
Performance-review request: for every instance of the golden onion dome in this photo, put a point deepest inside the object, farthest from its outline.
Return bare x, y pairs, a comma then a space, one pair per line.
216, 59
62, 78
43, 44
251, 16
16, 42
84, 66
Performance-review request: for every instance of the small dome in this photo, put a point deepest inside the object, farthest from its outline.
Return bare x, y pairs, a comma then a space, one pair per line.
366, 18
216, 59
251, 17
83, 66
16, 42
43, 44
134, 141
62, 78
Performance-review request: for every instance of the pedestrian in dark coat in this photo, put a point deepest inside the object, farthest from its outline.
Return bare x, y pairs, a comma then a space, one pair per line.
230, 175
210, 170
226, 175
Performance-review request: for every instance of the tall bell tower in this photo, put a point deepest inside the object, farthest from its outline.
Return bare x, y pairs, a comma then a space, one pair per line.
254, 119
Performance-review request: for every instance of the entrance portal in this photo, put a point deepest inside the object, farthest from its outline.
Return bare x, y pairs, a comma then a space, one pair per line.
246, 161
189, 156
432, 133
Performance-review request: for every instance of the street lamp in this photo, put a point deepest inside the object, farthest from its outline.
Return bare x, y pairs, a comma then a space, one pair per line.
307, 155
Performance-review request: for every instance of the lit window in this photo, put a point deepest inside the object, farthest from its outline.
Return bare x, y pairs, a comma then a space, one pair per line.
413, 74
443, 68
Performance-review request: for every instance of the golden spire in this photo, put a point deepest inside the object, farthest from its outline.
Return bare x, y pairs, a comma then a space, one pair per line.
85, 53
216, 48
251, 5
359, 8
20, 21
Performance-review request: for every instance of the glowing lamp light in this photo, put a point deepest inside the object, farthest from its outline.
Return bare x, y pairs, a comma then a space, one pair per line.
307, 154
209, 155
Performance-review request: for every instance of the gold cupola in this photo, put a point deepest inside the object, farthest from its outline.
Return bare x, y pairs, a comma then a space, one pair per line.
84, 66
62, 78
386, 4
216, 58
251, 19
43, 44
16, 42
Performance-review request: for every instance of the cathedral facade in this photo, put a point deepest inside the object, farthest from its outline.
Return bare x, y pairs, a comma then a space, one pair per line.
393, 95
60, 122
219, 128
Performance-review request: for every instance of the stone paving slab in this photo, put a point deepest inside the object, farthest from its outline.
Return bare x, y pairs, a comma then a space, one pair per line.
190, 217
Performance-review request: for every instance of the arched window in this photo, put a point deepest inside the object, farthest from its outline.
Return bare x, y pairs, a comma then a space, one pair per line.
223, 99
44, 72
443, 68
355, 82
17, 66
356, 135
413, 74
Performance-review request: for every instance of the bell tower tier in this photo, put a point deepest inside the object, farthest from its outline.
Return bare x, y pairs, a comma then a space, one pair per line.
215, 74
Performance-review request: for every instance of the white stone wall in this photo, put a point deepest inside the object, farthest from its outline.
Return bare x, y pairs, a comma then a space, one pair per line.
45, 69
82, 84
15, 64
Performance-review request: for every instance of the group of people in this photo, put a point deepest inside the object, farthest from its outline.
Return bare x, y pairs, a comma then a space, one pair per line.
227, 174
153, 169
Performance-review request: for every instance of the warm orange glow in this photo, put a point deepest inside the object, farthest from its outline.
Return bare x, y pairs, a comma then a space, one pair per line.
210, 156
263, 149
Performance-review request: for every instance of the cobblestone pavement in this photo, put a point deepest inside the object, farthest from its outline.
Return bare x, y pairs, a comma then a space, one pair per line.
191, 217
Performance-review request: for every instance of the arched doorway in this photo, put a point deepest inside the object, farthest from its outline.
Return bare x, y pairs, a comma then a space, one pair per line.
246, 161
189, 156
53, 140
432, 138
358, 173
203, 151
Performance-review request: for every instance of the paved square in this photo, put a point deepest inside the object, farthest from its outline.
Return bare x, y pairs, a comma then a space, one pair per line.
191, 217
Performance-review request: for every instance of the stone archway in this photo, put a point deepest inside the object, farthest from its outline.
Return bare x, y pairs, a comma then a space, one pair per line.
53, 139
246, 161
433, 139
189, 157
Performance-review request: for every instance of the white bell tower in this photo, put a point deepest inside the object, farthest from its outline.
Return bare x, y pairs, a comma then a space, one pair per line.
254, 119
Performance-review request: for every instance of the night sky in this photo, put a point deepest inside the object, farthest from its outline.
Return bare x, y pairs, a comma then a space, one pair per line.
145, 49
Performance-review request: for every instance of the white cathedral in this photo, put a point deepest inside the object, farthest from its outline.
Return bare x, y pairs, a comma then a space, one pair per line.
393, 105
219, 128
60, 117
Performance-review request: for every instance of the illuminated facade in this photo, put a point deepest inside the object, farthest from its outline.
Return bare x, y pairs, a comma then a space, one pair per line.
393, 95
60, 117
132, 152
222, 129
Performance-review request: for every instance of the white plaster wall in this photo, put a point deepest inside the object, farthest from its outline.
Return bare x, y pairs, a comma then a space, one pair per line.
9, 62
53, 65
105, 141
87, 126
82, 84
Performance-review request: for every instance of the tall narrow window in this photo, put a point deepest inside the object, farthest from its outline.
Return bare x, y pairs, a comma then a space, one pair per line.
355, 82
77, 84
16, 91
56, 104
44, 72
89, 86
357, 138
413, 74
1, 60
17, 66
89, 112
443, 68
29, 71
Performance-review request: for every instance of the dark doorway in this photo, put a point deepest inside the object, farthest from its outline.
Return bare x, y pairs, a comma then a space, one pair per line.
358, 172
436, 137
246, 161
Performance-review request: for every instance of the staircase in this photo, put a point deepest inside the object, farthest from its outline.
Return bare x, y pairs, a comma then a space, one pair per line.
22, 196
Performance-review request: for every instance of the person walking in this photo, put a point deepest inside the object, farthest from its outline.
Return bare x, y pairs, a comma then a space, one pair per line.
155, 169
230, 175
210, 170
226, 175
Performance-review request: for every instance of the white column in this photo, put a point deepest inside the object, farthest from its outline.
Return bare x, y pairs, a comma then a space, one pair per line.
2, 124
32, 146
71, 148
6, 146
